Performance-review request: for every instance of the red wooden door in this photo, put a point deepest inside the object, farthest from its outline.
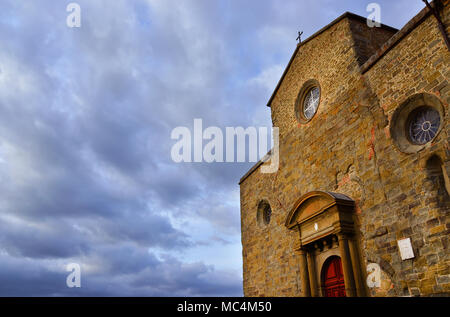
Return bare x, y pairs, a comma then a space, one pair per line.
333, 278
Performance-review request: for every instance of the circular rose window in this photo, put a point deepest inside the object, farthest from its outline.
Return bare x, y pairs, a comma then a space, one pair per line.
311, 102
423, 125
308, 101
417, 122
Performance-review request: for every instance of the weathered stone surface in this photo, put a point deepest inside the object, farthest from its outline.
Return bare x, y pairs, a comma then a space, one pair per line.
347, 148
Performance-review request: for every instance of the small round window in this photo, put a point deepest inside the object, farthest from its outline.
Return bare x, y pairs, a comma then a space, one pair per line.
423, 125
308, 101
264, 213
311, 102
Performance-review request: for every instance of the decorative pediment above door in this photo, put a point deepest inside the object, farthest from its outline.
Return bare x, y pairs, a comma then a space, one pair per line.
318, 214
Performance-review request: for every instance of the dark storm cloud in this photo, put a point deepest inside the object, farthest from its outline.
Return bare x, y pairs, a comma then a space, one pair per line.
85, 122
43, 241
127, 272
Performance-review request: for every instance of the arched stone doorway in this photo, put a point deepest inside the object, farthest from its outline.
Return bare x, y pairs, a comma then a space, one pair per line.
324, 221
332, 278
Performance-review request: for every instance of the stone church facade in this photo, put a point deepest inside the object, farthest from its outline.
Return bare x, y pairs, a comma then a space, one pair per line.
360, 203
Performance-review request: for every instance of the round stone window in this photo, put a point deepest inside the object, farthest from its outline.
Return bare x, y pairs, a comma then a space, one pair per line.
417, 122
311, 103
423, 125
264, 213
308, 101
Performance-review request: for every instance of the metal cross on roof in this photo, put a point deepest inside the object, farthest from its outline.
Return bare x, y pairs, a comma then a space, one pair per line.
299, 38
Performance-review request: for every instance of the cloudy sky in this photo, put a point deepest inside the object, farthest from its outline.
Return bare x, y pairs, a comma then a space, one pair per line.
86, 116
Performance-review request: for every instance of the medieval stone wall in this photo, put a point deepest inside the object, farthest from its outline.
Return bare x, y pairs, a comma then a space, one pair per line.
347, 148
416, 205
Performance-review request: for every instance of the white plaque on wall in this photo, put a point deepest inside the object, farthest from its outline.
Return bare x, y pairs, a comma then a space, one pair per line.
406, 250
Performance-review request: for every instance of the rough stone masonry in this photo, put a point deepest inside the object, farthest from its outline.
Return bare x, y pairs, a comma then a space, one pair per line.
352, 180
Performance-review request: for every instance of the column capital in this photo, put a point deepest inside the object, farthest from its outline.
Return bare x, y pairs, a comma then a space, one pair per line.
343, 236
300, 250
